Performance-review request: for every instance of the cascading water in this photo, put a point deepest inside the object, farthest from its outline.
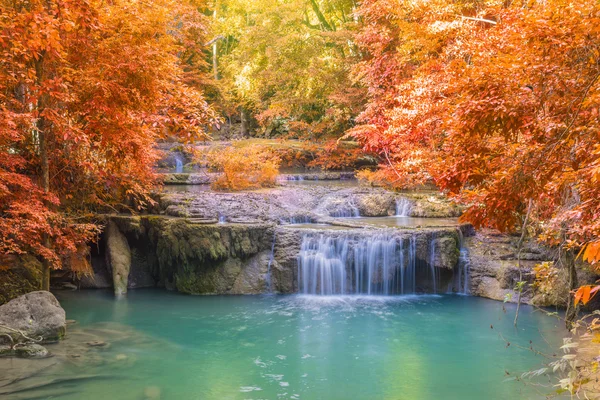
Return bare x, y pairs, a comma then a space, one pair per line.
297, 219
178, 165
294, 178
348, 210
432, 261
463, 271
382, 264
322, 265
271, 258
403, 207
461, 283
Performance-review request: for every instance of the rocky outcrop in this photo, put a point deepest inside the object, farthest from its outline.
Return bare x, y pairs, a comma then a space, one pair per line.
376, 204
432, 206
23, 275
189, 178
36, 315
445, 251
494, 271
197, 258
315, 202
118, 257
318, 176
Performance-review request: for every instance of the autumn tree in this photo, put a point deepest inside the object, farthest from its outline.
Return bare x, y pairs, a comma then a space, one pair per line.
286, 64
495, 103
86, 89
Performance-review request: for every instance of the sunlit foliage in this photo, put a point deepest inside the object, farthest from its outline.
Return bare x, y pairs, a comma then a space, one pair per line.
241, 168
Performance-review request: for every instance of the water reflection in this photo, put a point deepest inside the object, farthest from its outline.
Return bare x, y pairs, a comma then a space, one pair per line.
295, 347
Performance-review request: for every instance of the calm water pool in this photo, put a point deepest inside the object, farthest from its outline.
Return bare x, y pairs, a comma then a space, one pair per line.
296, 347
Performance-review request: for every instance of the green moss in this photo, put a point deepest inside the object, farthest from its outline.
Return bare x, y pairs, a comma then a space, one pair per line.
190, 283
24, 276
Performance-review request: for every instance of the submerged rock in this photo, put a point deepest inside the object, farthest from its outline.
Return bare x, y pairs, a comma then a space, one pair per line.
31, 351
152, 393
37, 314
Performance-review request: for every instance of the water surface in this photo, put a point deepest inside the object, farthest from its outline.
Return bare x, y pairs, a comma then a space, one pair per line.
307, 347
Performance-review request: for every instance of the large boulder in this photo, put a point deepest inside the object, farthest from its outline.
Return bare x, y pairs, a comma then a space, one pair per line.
36, 314
118, 257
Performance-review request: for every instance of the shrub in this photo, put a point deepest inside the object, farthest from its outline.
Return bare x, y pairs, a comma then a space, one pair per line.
244, 168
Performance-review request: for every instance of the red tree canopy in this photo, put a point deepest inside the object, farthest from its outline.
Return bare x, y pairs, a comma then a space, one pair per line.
86, 90
496, 103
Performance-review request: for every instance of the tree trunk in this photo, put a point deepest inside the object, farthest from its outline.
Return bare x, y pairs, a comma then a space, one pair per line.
41, 127
519, 248
572, 309
244, 120
45, 182
215, 49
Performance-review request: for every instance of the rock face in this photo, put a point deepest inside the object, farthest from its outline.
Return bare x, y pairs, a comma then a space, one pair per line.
23, 276
195, 257
315, 203
118, 257
445, 252
36, 314
206, 242
494, 273
376, 205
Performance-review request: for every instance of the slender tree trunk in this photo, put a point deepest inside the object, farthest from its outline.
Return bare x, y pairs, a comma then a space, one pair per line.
519, 248
41, 127
45, 181
244, 119
215, 48
571, 314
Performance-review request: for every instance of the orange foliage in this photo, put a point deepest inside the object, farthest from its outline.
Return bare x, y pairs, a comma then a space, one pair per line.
243, 168
495, 102
585, 293
86, 89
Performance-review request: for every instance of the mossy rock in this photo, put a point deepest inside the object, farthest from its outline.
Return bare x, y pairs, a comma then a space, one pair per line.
23, 276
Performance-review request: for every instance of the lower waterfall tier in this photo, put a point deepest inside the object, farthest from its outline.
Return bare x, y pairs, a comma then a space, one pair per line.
377, 264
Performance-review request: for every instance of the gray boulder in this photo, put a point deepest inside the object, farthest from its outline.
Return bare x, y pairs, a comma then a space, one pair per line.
36, 314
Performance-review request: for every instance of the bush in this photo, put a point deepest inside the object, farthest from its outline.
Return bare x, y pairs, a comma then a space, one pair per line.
244, 168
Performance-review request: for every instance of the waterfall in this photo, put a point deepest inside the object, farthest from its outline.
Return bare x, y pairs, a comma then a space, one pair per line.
463, 271
382, 264
432, 261
222, 218
297, 219
178, 165
271, 258
293, 178
403, 207
376, 262
322, 265
349, 210
464, 261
